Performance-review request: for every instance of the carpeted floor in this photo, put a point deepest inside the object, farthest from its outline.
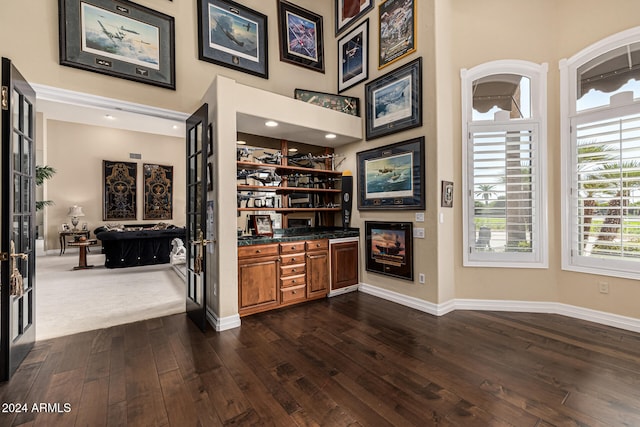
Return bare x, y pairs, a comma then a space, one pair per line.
69, 301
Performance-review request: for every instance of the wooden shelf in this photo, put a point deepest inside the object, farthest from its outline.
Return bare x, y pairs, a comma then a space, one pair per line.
287, 190
286, 170
287, 210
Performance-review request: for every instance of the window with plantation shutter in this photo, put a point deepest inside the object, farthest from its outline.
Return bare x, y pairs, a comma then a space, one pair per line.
504, 200
601, 157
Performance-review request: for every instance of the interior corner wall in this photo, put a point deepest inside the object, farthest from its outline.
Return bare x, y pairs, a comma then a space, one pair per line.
540, 31
425, 251
76, 152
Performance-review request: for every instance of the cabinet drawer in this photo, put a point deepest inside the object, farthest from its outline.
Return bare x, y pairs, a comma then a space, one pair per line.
292, 247
257, 250
292, 259
317, 245
292, 270
286, 282
292, 294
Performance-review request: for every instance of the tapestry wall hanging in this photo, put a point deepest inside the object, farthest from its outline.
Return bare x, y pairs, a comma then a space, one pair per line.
158, 191
119, 197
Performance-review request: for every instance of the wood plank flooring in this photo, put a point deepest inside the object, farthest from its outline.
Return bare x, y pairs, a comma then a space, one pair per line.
352, 360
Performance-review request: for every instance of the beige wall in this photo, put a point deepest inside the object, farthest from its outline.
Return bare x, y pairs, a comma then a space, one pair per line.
540, 31
29, 31
77, 151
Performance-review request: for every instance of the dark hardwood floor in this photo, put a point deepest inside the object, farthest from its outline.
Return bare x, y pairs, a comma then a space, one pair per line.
350, 360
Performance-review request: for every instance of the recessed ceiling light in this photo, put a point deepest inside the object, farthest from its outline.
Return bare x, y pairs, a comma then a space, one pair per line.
293, 150
271, 124
109, 116
175, 126
330, 136
240, 142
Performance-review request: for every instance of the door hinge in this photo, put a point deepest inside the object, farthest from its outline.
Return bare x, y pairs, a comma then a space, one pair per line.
4, 256
5, 98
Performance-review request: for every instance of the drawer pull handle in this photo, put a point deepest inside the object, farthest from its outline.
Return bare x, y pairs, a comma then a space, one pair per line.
293, 270
257, 251
317, 245
293, 292
293, 281
293, 248
293, 259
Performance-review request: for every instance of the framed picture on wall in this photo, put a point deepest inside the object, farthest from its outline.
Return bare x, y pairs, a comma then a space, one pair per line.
389, 247
397, 30
118, 38
393, 102
392, 177
233, 36
119, 190
349, 11
301, 36
353, 57
158, 191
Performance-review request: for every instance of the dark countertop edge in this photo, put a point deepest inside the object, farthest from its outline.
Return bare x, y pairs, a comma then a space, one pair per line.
331, 234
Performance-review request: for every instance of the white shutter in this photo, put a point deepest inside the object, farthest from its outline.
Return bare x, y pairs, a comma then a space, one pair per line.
502, 183
606, 197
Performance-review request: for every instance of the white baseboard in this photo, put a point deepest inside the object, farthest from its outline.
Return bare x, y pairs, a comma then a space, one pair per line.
601, 317
346, 289
224, 323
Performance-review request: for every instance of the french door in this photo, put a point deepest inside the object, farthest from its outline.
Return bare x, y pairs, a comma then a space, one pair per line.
198, 182
17, 220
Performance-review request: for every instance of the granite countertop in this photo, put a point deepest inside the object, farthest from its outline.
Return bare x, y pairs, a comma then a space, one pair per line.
297, 234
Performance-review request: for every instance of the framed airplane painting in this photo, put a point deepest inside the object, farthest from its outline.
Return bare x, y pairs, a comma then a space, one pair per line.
118, 38
234, 36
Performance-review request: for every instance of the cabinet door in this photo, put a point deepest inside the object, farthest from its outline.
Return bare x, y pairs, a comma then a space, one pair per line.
258, 284
344, 264
317, 274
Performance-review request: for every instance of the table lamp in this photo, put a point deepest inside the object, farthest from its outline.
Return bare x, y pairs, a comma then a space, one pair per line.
75, 211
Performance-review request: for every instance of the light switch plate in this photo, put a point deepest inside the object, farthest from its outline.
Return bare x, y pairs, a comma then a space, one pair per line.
419, 216
418, 233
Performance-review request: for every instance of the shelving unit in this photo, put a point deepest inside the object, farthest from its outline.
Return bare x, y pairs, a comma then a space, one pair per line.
330, 194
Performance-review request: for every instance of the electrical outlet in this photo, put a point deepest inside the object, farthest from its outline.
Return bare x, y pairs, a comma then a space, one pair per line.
421, 278
418, 233
603, 287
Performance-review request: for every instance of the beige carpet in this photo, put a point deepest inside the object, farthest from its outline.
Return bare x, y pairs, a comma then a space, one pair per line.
69, 301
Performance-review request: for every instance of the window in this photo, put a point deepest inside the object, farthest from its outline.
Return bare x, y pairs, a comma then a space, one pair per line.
504, 143
601, 157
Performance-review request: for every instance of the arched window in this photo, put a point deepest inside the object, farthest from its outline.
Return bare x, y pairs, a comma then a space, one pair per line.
504, 144
600, 104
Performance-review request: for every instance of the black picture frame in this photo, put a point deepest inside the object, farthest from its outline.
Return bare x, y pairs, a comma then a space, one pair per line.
344, 104
119, 190
97, 35
342, 22
158, 191
389, 247
393, 102
233, 36
446, 194
392, 177
353, 57
300, 47
396, 30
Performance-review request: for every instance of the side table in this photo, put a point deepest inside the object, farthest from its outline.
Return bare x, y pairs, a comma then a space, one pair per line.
82, 250
70, 233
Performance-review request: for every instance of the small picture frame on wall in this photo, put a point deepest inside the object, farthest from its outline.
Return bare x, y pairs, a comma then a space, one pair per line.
446, 195
397, 35
233, 36
389, 247
393, 102
301, 36
353, 57
349, 11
